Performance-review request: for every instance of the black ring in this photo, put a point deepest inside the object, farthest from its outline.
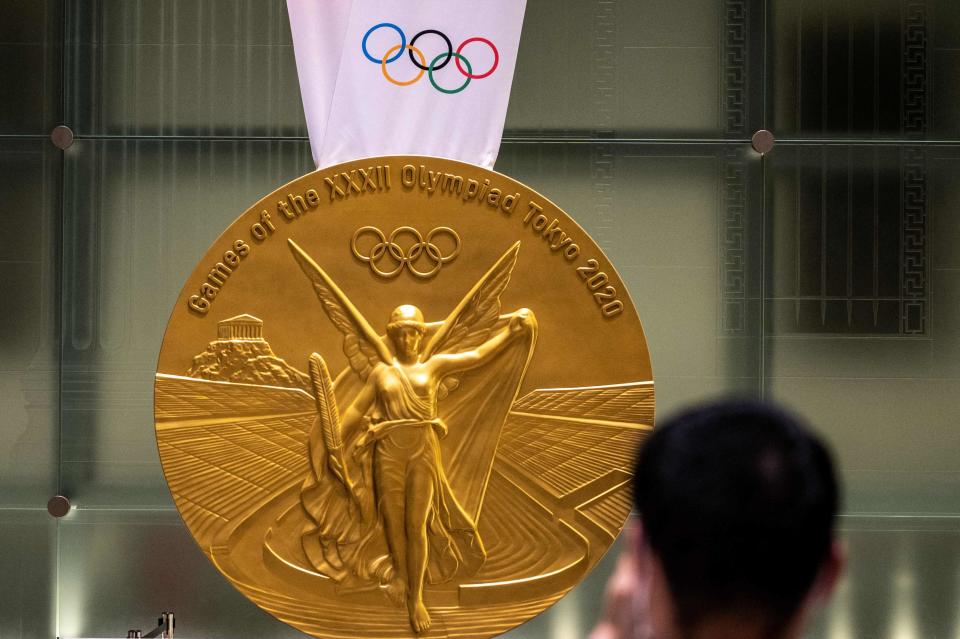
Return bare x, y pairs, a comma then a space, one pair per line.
445, 39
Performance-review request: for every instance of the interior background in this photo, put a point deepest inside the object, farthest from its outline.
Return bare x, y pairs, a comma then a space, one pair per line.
824, 275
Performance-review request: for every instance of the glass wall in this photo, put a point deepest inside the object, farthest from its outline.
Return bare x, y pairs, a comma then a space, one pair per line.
823, 274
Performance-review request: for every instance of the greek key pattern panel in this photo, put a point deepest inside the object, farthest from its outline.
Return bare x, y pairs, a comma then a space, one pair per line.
602, 165
914, 311
732, 249
914, 305
604, 66
915, 76
734, 71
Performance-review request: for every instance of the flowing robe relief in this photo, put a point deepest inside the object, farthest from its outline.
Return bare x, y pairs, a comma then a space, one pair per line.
454, 437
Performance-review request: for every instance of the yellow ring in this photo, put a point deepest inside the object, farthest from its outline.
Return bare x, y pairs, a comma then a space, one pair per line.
383, 65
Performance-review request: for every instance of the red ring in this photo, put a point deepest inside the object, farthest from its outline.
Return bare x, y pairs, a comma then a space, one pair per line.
496, 58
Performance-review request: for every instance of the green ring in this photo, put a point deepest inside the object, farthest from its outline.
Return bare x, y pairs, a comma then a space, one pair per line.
440, 88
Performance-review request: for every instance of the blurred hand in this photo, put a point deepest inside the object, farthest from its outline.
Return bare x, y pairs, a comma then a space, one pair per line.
626, 595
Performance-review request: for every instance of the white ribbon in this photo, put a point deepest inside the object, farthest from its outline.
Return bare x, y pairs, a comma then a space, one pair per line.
364, 95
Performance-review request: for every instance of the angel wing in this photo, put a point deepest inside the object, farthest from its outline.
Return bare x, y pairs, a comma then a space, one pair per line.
470, 322
361, 344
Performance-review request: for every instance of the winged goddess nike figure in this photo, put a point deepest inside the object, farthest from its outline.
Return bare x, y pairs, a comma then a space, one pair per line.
403, 443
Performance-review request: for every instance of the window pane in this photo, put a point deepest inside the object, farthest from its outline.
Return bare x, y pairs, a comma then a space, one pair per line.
119, 570
182, 67
139, 214
31, 50
29, 340
863, 334
28, 566
658, 68
864, 69
900, 580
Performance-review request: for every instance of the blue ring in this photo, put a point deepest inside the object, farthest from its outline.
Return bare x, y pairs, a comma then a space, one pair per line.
403, 42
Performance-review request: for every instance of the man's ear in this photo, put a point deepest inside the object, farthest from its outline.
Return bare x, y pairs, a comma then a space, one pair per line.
831, 570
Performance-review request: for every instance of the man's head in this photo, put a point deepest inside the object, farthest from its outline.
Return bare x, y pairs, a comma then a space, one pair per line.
737, 503
406, 329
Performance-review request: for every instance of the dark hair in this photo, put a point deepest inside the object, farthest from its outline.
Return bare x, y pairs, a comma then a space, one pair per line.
738, 502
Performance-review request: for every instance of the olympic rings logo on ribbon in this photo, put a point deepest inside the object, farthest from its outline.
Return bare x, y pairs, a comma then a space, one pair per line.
419, 250
416, 56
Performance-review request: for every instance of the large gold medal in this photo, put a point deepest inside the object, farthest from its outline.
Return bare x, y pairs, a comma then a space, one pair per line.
401, 397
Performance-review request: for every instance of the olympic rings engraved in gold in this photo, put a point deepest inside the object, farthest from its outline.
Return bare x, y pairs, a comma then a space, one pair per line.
420, 248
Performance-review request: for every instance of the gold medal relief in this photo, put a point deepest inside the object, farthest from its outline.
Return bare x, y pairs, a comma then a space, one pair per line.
436, 440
